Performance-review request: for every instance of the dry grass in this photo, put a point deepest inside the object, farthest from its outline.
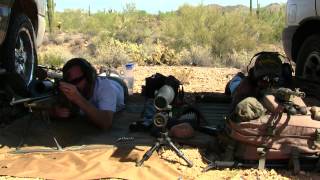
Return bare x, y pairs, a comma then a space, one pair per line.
183, 74
101, 50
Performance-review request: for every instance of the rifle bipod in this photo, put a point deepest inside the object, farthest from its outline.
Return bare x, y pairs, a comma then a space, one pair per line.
45, 117
164, 140
308, 164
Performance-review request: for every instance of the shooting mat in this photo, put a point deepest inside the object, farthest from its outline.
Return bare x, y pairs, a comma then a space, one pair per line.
89, 152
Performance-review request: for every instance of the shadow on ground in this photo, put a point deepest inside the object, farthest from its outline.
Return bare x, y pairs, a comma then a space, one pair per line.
33, 130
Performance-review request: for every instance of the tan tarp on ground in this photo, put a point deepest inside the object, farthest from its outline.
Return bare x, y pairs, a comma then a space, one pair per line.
91, 164
104, 160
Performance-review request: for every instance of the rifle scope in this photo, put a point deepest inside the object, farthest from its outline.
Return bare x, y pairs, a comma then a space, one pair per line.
41, 87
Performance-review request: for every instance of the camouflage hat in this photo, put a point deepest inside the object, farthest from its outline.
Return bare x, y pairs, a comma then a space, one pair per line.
267, 64
249, 109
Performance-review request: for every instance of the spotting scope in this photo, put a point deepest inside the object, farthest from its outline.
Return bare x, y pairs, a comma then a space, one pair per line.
164, 97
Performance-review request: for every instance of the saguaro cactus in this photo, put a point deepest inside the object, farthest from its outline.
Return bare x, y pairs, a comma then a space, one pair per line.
50, 6
258, 8
250, 6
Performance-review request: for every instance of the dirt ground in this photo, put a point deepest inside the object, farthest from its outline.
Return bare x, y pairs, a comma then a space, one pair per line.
201, 79
195, 79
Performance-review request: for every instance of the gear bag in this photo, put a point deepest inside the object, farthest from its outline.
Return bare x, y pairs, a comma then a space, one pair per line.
275, 137
271, 139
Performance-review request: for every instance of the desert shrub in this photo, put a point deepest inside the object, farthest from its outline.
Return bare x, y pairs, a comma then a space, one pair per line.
275, 19
237, 59
115, 52
54, 56
197, 56
201, 35
111, 52
234, 32
183, 74
225, 31
158, 53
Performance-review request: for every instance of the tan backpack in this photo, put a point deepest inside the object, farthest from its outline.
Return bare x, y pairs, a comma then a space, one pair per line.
274, 136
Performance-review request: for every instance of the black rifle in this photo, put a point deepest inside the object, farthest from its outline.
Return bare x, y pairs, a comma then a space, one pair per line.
46, 96
284, 96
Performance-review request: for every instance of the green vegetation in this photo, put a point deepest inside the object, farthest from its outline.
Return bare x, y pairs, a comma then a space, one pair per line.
201, 35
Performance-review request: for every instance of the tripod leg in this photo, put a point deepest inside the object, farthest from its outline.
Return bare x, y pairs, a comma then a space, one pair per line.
46, 118
25, 132
148, 154
212, 165
179, 153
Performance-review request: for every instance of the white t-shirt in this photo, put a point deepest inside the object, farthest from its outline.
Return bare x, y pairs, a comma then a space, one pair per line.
108, 95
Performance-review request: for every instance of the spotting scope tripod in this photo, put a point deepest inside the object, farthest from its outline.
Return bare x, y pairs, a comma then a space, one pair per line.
162, 103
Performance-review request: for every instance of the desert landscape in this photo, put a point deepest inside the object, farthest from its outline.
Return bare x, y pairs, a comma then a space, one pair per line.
202, 79
202, 46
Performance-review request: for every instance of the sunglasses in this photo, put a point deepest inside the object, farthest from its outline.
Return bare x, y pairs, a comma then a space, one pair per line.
268, 81
76, 80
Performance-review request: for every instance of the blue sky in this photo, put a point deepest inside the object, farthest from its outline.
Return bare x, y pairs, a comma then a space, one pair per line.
149, 5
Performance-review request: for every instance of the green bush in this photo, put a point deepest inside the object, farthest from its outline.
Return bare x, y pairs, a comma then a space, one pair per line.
202, 35
199, 56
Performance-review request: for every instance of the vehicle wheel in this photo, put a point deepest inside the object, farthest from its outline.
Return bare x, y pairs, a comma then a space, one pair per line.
20, 56
308, 61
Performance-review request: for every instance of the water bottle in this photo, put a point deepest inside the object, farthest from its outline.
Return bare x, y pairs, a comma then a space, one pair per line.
128, 77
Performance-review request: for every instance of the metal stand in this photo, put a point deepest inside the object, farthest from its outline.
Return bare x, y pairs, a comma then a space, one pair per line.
164, 140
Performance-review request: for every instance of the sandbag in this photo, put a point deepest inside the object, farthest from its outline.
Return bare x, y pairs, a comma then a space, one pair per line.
248, 109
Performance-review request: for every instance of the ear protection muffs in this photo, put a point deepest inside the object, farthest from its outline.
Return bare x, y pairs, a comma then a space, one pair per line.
88, 70
287, 69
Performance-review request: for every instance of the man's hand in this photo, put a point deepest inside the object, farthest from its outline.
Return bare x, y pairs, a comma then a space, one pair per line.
101, 118
71, 92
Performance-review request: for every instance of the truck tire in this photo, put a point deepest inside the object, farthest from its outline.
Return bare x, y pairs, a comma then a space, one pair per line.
308, 61
20, 57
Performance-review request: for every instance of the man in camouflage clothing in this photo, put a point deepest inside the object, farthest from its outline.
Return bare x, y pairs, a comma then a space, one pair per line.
265, 73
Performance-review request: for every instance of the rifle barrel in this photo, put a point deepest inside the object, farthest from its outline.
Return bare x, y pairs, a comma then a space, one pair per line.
19, 101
